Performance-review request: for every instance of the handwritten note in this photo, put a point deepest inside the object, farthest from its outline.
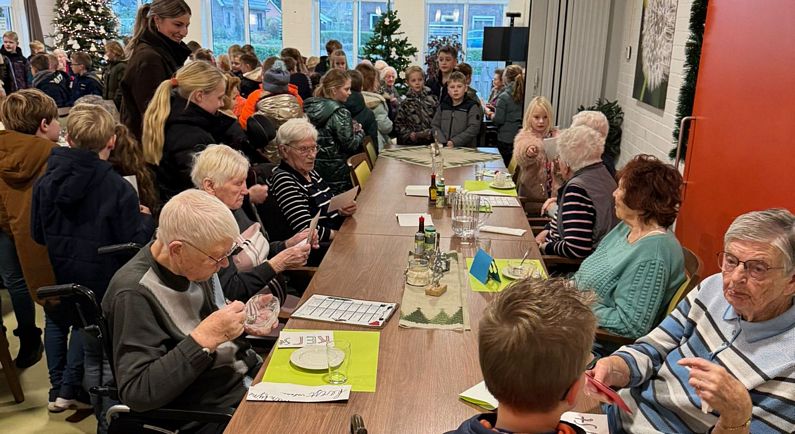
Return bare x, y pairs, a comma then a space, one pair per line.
286, 392
302, 339
591, 423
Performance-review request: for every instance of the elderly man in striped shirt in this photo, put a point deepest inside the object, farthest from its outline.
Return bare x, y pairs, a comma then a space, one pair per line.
724, 360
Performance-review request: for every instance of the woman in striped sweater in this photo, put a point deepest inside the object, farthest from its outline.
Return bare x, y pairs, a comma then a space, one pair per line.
723, 360
585, 201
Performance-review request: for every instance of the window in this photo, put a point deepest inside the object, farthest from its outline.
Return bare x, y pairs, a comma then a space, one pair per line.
467, 18
125, 10
337, 22
5, 17
263, 29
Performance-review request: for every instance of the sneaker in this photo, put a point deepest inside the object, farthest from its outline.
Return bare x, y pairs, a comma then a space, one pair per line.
62, 404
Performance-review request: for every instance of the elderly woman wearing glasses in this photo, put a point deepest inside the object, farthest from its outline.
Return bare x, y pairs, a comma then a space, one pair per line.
297, 189
723, 360
222, 172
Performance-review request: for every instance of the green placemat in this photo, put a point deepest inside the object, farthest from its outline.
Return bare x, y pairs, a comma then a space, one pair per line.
484, 185
453, 157
361, 371
495, 286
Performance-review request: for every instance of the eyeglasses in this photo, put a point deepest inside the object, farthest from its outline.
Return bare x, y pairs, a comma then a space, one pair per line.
233, 251
755, 268
305, 150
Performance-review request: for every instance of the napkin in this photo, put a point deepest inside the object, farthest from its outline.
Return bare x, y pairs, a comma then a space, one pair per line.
503, 230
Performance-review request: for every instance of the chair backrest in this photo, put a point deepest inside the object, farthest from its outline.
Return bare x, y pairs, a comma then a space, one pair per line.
693, 267
360, 170
369, 150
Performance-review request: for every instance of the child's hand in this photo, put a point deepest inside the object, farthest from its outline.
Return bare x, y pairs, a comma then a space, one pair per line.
450, 143
144, 210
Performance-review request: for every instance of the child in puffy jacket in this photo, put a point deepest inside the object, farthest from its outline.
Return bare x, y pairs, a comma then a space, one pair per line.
457, 120
414, 115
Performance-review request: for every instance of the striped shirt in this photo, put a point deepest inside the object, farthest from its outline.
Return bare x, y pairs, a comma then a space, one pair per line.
300, 199
575, 238
761, 355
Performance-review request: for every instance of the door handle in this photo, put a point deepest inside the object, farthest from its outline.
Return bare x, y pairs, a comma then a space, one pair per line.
682, 123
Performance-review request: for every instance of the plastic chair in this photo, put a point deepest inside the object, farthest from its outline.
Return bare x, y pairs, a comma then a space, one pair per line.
369, 150
360, 170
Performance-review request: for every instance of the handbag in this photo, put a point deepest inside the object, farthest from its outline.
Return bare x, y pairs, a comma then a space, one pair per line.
254, 249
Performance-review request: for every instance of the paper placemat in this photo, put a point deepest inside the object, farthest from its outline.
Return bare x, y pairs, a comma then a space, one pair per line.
475, 186
504, 281
361, 371
447, 312
453, 157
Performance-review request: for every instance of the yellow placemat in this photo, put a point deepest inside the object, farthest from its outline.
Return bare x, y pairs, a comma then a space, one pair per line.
484, 185
499, 286
361, 371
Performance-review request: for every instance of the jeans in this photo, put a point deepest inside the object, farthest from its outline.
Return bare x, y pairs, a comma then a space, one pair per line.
97, 373
65, 357
11, 278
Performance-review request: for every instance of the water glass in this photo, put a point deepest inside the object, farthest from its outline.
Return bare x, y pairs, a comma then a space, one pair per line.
480, 170
338, 357
466, 214
262, 313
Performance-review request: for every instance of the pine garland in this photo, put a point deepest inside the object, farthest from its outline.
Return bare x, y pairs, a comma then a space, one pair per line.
387, 45
687, 93
84, 25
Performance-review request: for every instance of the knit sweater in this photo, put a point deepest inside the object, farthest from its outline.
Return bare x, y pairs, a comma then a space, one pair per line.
633, 281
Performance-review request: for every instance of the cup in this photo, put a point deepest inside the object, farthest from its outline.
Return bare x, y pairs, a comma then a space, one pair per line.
418, 272
500, 179
338, 356
262, 312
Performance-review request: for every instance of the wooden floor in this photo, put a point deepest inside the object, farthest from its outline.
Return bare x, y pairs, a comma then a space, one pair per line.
31, 416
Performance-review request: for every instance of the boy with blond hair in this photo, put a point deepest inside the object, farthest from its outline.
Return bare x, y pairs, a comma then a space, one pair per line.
458, 118
14, 66
534, 344
79, 205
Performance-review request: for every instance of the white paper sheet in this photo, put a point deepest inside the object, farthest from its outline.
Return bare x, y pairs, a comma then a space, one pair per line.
488, 192
480, 396
500, 201
133, 181
297, 393
503, 230
413, 219
422, 190
343, 199
312, 227
301, 339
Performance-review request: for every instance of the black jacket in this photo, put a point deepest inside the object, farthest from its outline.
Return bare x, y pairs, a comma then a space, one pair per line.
363, 115
56, 85
303, 83
14, 71
437, 87
114, 73
155, 58
86, 84
81, 204
189, 129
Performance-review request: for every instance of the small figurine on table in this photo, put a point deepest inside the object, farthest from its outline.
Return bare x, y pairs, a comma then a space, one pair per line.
440, 265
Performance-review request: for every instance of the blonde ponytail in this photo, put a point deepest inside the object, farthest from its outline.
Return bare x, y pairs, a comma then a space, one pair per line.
191, 78
330, 81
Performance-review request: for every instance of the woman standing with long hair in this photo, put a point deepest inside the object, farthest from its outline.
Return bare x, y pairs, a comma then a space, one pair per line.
154, 54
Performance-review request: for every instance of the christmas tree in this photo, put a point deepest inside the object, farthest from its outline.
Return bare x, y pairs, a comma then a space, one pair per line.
84, 25
387, 45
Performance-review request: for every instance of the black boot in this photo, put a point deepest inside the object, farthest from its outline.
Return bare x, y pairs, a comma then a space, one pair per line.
30, 347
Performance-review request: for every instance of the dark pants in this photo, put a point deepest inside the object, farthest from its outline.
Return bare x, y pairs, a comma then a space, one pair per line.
506, 150
63, 346
12, 279
97, 373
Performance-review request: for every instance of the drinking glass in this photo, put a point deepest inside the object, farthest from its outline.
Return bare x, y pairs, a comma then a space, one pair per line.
480, 169
465, 214
338, 357
262, 312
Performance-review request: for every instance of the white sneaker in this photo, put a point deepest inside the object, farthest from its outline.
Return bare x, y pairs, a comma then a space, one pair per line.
62, 404
52, 407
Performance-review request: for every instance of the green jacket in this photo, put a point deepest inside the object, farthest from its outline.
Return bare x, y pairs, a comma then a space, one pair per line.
336, 141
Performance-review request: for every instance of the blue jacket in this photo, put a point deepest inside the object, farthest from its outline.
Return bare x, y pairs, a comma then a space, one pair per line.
56, 85
79, 205
86, 84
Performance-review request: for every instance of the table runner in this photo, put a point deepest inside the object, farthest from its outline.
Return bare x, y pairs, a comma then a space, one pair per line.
453, 157
447, 312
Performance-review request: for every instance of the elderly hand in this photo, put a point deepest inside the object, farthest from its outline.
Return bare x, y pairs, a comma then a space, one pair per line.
610, 371
301, 236
548, 206
221, 326
258, 193
259, 306
348, 210
292, 257
542, 236
720, 390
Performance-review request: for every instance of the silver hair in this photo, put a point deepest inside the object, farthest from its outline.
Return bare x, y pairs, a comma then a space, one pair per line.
580, 146
219, 164
197, 217
591, 118
295, 130
774, 226
383, 72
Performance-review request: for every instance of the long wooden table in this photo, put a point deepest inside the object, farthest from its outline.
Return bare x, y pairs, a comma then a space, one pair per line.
420, 372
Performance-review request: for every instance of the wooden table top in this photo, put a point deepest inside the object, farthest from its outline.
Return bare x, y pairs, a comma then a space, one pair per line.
420, 371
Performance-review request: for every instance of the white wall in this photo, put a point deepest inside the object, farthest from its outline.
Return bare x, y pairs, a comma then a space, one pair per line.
647, 130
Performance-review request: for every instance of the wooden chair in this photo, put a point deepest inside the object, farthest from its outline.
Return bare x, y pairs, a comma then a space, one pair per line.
10, 369
369, 150
360, 170
693, 267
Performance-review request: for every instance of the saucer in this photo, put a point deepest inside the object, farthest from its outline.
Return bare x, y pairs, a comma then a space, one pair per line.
506, 271
506, 186
313, 357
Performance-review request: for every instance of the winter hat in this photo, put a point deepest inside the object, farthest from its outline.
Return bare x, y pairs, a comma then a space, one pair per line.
277, 78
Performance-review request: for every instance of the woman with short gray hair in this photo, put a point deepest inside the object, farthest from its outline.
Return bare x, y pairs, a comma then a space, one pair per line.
723, 360
586, 208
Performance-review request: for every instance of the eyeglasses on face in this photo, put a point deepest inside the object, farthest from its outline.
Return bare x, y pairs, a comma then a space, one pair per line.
233, 251
755, 268
304, 150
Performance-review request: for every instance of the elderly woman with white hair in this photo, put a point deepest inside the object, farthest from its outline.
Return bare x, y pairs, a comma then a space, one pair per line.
723, 360
388, 76
297, 190
176, 342
586, 208
222, 172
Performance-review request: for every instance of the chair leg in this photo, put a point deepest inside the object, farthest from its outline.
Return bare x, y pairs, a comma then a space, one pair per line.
10, 370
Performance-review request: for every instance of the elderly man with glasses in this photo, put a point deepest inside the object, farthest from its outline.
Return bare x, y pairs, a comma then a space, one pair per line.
176, 342
724, 360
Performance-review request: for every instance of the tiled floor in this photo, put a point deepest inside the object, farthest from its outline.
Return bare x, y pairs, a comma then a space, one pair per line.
31, 416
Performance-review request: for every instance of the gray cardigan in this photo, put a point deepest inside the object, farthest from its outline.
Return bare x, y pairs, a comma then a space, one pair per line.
507, 115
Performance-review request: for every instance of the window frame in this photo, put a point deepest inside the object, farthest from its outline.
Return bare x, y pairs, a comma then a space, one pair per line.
320, 48
208, 39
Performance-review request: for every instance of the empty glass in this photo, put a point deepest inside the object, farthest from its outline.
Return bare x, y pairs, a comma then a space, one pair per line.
338, 356
480, 169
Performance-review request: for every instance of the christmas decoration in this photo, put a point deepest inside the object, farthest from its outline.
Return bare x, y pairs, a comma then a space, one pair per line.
437, 42
687, 92
387, 45
84, 25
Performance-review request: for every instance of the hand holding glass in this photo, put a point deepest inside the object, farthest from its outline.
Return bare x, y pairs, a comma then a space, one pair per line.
262, 314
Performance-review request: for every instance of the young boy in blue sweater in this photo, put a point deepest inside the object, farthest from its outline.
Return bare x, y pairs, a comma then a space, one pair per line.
534, 343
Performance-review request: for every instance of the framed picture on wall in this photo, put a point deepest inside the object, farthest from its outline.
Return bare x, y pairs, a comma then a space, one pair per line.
656, 44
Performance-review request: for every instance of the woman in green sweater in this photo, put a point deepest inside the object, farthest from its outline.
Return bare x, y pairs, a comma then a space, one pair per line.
638, 265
